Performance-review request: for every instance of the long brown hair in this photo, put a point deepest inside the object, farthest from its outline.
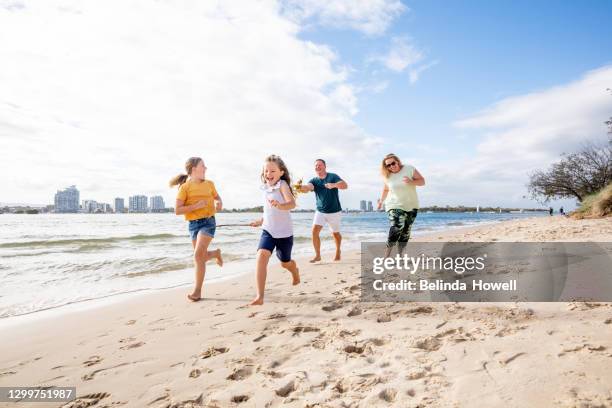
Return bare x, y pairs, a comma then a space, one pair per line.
281, 165
384, 170
189, 165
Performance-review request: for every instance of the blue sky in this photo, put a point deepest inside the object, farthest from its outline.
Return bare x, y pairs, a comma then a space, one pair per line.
475, 94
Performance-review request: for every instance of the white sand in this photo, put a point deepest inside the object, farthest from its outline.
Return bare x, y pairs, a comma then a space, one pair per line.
316, 345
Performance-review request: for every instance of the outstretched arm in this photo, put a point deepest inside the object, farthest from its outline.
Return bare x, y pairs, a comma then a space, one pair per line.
306, 188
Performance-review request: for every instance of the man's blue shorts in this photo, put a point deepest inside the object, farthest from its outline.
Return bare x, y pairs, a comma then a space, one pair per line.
204, 226
283, 245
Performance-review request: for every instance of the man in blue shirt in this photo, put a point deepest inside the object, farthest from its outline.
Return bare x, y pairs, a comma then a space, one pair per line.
329, 211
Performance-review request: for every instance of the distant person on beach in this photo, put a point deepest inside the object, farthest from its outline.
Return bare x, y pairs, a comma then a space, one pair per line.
400, 200
561, 211
197, 200
550, 211
277, 226
329, 211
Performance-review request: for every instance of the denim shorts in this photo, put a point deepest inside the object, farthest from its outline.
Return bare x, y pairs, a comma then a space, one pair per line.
204, 226
283, 245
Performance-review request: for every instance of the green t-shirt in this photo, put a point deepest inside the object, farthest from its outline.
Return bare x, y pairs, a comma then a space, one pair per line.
328, 201
401, 195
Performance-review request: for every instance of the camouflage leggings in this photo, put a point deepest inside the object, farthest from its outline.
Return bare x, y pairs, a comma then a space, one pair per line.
401, 223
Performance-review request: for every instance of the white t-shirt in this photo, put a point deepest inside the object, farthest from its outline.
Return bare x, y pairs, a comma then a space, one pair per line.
401, 195
277, 222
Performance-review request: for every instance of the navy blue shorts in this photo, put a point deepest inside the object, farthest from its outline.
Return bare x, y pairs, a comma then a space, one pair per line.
283, 245
206, 226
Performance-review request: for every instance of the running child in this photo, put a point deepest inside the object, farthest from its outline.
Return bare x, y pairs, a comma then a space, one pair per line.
277, 230
197, 200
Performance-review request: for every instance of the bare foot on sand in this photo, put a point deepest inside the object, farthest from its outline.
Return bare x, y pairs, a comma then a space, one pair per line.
219, 258
337, 257
194, 298
256, 302
296, 276
315, 259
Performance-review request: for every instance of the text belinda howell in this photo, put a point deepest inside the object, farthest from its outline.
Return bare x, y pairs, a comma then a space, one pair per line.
440, 285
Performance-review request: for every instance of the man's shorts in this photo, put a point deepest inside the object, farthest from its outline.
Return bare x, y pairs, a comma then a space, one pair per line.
333, 220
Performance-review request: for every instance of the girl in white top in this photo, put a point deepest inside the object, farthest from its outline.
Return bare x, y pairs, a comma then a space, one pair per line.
400, 200
277, 230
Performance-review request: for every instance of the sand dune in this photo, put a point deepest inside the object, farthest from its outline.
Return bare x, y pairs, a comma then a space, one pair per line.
317, 345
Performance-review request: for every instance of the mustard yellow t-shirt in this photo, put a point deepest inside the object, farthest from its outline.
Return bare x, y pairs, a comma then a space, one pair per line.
191, 192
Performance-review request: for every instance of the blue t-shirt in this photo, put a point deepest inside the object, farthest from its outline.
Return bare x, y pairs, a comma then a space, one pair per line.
328, 201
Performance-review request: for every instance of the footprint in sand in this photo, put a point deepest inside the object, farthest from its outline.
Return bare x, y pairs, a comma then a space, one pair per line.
354, 312
213, 351
388, 395
331, 307
240, 374
130, 322
87, 400
286, 389
93, 360
238, 399
354, 349
257, 339
195, 373
304, 329
133, 345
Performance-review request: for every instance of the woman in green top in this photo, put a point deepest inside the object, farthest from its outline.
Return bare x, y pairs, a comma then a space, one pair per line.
400, 199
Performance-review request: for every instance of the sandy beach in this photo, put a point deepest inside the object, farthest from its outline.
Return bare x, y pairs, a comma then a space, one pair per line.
317, 345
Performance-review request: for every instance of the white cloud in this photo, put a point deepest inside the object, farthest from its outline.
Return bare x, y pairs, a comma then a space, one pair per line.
371, 17
527, 132
113, 96
402, 54
415, 74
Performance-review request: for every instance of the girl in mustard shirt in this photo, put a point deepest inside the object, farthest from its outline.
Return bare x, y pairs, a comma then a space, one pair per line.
197, 200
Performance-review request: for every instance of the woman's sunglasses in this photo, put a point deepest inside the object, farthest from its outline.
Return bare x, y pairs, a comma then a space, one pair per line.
393, 163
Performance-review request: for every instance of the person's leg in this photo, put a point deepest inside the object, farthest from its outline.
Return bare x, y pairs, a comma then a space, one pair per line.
406, 222
394, 231
333, 220
316, 242
263, 256
216, 254
200, 253
338, 241
283, 252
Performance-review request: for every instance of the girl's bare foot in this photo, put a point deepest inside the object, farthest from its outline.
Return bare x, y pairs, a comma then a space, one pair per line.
256, 302
296, 276
194, 298
219, 258
337, 258
315, 259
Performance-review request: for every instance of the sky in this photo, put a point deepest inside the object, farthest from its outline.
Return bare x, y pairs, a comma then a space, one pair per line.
114, 96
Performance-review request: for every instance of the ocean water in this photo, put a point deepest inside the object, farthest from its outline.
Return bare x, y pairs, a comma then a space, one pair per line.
51, 260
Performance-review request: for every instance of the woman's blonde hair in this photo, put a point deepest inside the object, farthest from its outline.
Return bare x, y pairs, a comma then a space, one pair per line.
384, 170
281, 165
189, 165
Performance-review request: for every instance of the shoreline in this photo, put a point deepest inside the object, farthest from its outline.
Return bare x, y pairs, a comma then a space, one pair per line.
101, 301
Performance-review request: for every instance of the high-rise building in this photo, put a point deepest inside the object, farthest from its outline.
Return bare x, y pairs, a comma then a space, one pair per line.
157, 204
370, 206
89, 206
139, 204
362, 205
119, 205
67, 201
